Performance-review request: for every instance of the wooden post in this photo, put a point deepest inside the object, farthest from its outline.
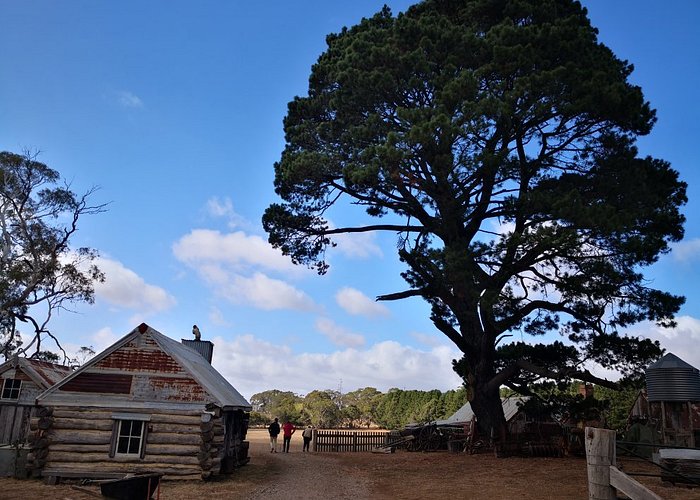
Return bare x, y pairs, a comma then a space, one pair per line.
663, 423
600, 455
313, 440
690, 422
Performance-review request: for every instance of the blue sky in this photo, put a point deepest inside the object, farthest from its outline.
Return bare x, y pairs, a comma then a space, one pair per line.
174, 109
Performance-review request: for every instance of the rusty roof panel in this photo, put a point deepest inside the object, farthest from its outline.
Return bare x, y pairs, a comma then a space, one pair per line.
50, 373
42, 373
21, 375
178, 389
140, 360
110, 383
184, 376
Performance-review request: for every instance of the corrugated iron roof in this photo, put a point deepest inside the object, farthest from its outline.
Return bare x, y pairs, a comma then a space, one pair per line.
511, 406
223, 393
202, 371
672, 379
670, 361
42, 373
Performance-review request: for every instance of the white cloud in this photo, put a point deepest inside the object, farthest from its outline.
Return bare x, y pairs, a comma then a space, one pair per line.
224, 208
99, 341
229, 264
124, 288
502, 228
253, 365
686, 250
237, 249
338, 335
358, 304
428, 340
103, 338
683, 340
217, 317
128, 100
357, 245
220, 208
265, 293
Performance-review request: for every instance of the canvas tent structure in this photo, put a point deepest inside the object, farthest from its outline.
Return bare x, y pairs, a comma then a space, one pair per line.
146, 404
21, 381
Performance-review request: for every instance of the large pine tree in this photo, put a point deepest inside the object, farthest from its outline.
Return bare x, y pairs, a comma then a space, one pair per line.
497, 138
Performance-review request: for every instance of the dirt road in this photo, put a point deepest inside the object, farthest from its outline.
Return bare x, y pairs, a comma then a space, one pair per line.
310, 476
359, 476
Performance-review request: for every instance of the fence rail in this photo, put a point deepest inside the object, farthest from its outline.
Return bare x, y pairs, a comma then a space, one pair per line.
604, 478
349, 441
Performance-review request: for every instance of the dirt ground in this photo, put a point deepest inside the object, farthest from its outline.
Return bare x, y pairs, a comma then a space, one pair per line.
401, 475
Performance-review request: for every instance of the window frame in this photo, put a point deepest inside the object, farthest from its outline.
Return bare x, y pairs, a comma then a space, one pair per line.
11, 390
118, 433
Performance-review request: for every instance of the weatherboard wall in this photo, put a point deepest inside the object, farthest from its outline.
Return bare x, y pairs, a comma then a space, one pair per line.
35, 377
15, 414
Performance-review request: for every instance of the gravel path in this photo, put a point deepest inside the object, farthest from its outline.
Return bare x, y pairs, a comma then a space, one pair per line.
313, 476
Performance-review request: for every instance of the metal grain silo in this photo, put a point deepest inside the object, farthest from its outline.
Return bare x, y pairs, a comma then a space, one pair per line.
672, 379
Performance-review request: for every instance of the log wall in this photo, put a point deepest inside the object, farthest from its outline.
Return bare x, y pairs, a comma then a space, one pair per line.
71, 441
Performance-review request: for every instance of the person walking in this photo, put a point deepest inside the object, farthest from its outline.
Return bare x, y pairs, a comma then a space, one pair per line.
274, 430
288, 429
307, 435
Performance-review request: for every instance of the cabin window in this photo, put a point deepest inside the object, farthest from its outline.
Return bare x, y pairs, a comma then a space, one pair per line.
129, 435
10, 388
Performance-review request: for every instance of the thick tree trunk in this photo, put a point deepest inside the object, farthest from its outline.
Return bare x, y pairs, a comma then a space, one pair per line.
488, 409
485, 396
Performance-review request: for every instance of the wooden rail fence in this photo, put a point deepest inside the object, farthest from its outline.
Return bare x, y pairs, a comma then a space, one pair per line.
604, 478
348, 441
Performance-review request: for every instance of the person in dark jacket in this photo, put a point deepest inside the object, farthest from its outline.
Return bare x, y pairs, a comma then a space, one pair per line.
274, 430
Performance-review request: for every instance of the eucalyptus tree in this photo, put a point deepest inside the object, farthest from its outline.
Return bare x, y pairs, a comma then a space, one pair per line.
40, 273
497, 140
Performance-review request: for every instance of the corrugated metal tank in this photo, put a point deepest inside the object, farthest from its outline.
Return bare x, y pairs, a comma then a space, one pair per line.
672, 379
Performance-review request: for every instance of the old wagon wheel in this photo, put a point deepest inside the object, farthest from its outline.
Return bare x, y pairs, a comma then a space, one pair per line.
434, 440
474, 447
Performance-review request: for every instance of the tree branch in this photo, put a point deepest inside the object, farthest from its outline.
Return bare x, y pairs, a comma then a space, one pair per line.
366, 229
402, 295
523, 365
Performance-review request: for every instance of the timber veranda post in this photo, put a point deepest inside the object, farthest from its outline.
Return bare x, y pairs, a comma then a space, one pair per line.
600, 455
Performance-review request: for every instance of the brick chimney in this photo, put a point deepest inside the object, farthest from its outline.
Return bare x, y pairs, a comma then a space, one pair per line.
586, 390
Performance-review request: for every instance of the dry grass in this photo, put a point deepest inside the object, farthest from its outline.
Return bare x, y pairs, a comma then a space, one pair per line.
400, 475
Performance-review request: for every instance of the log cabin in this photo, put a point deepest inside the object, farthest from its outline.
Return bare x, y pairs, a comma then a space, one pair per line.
21, 381
146, 404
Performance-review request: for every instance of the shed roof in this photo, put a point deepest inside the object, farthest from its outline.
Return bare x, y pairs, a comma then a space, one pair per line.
223, 393
42, 373
511, 406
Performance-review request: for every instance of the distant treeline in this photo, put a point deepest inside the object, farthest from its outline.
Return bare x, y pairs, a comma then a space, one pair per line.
394, 409
361, 408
